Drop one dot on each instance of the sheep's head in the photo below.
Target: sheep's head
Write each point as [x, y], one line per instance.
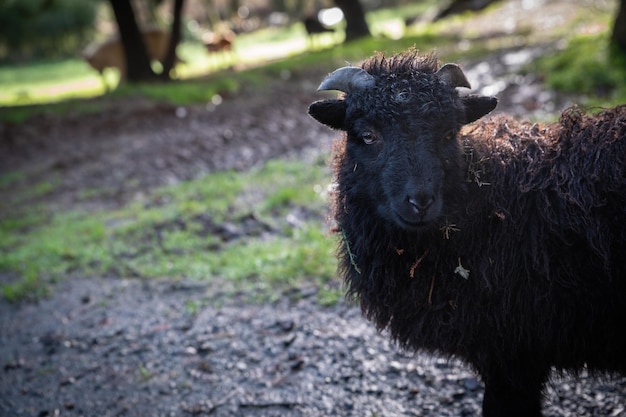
[401, 116]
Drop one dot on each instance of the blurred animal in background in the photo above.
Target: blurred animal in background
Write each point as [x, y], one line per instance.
[319, 23]
[461, 6]
[110, 53]
[219, 45]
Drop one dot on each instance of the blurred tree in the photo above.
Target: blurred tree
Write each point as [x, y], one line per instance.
[356, 26]
[44, 28]
[138, 66]
[618, 36]
[135, 54]
[170, 59]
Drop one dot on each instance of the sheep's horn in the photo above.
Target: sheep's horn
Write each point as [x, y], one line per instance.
[347, 79]
[453, 75]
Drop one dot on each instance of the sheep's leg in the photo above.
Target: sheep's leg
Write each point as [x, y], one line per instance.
[504, 400]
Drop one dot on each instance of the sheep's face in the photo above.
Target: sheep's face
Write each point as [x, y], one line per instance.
[401, 158]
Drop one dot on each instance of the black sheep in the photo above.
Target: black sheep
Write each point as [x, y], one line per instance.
[314, 27]
[500, 243]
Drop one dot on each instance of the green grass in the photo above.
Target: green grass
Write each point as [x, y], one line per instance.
[202, 89]
[588, 68]
[52, 81]
[177, 232]
[47, 80]
[22, 87]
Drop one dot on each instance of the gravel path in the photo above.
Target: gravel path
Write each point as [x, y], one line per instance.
[110, 347]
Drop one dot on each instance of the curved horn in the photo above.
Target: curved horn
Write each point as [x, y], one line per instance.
[347, 79]
[453, 75]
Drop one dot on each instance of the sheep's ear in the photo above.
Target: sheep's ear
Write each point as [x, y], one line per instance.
[478, 106]
[329, 112]
[453, 75]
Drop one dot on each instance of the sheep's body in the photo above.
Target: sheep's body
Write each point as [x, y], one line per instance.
[517, 266]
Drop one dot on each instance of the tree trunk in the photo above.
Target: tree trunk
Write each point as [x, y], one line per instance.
[136, 57]
[618, 36]
[356, 26]
[170, 58]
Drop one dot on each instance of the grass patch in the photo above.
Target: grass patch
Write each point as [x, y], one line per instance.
[62, 85]
[182, 92]
[18, 192]
[587, 67]
[272, 53]
[47, 80]
[260, 231]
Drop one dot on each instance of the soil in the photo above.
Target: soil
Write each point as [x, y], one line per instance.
[134, 145]
[106, 346]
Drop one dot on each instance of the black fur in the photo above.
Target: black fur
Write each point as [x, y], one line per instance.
[501, 243]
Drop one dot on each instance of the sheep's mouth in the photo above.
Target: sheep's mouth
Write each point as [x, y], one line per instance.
[411, 225]
[412, 220]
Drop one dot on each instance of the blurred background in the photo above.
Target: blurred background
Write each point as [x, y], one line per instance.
[56, 49]
[164, 197]
[169, 138]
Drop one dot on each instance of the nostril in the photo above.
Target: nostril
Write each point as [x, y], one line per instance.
[421, 201]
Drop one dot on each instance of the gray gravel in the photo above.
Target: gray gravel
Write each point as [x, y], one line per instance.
[111, 347]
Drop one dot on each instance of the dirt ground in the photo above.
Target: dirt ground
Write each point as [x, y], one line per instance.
[134, 145]
[105, 346]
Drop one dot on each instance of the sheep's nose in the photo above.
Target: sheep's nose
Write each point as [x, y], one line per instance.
[420, 201]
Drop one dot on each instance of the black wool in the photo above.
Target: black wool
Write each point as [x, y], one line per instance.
[500, 243]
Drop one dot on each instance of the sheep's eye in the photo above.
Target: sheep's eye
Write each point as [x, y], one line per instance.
[449, 135]
[368, 138]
